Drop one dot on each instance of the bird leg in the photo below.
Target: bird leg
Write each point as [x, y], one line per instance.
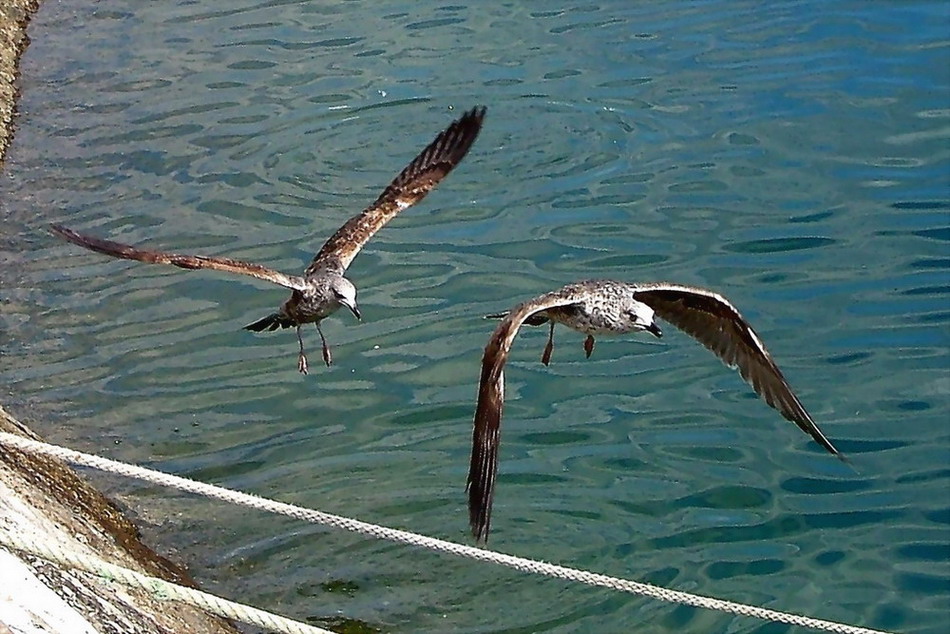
[302, 359]
[589, 345]
[549, 348]
[327, 358]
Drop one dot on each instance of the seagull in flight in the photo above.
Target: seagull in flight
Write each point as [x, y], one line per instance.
[606, 307]
[323, 287]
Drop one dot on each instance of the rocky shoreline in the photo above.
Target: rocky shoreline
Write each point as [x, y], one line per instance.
[14, 17]
[44, 498]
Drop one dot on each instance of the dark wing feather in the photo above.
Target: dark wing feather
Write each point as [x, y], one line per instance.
[409, 187]
[486, 431]
[715, 323]
[127, 252]
[533, 320]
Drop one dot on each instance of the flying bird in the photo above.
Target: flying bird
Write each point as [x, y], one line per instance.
[605, 307]
[323, 287]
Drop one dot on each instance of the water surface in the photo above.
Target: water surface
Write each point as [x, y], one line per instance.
[791, 155]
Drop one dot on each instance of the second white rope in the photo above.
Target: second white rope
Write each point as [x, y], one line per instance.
[157, 588]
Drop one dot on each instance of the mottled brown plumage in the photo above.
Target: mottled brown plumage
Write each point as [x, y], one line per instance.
[127, 252]
[605, 307]
[323, 288]
[409, 187]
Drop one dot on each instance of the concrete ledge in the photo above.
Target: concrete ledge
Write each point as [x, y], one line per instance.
[44, 497]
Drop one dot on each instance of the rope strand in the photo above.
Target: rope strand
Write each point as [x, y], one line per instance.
[158, 588]
[439, 545]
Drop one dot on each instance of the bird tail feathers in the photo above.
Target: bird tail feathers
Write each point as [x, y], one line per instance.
[271, 322]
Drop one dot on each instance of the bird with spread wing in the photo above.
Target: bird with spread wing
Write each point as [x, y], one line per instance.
[323, 288]
[605, 307]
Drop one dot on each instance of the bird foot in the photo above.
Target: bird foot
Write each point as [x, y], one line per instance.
[589, 345]
[327, 357]
[302, 364]
[548, 349]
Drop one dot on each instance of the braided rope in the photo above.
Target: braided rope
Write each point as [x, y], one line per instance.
[404, 537]
[158, 588]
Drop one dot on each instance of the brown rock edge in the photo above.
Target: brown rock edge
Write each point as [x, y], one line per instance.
[43, 497]
[14, 16]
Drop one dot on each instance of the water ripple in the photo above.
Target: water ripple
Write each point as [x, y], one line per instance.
[793, 159]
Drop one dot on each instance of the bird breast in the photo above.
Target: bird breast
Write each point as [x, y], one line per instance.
[310, 306]
[593, 318]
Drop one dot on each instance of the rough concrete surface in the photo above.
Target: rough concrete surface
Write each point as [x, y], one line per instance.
[42, 496]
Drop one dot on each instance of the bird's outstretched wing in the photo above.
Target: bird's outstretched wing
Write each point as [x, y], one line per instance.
[125, 251]
[411, 185]
[710, 319]
[491, 400]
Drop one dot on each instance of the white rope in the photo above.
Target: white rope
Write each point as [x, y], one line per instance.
[403, 537]
[158, 588]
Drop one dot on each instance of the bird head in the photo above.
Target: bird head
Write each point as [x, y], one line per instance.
[344, 292]
[642, 317]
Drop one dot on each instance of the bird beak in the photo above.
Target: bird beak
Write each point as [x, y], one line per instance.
[355, 311]
[654, 330]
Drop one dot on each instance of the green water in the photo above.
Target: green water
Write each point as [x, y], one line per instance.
[791, 155]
